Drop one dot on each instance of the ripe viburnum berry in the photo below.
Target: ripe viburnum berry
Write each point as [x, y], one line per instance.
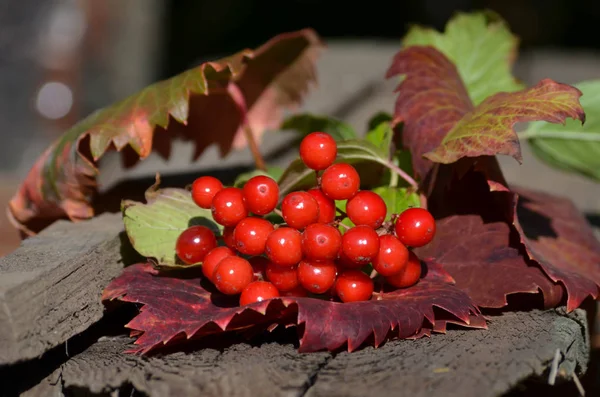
[340, 181]
[297, 292]
[316, 277]
[366, 208]
[284, 247]
[415, 227]
[326, 205]
[212, 259]
[353, 286]
[251, 234]
[318, 150]
[232, 275]
[204, 190]
[409, 276]
[299, 209]
[228, 236]
[194, 243]
[284, 278]
[360, 244]
[392, 256]
[228, 206]
[261, 194]
[321, 242]
[258, 291]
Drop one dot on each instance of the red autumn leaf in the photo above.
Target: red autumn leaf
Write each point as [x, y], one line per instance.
[211, 103]
[558, 237]
[478, 256]
[441, 123]
[176, 307]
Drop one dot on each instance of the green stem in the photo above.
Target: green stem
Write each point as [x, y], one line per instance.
[402, 173]
[573, 135]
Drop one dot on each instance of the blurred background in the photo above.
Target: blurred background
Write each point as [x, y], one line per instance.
[62, 59]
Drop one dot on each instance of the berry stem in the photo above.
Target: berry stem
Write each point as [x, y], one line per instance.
[342, 213]
[259, 161]
[402, 174]
[344, 226]
[278, 212]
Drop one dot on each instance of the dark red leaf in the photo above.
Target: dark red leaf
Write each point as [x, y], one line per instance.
[175, 308]
[432, 99]
[558, 237]
[478, 256]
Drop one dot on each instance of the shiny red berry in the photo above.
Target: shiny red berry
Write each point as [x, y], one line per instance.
[340, 181]
[415, 227]
[228, 236]
[258, 291]
[204, 190]
[299, 209]
[326, 205]
[392, 256]
[360, 244]
[284, 278]
[194, 243]
[366, 208]
[318, 150]
[212, 259]
[228, 206]
[261, 194]
[344, 262]
[408, 276]
[232, 275]
[251, 234]
[259, 267]
[353, 286]
[316, 277]
[284, 247]
[321, 242]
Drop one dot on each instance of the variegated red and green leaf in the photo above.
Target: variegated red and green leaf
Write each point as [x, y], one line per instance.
[209, 104]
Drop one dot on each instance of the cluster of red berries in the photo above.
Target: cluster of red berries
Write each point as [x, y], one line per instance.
[307, 253]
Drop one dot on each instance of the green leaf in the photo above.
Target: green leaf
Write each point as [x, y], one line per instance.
[307, 123]
[377, 119]
[482, 48]
[381, 136]
[297, 175]
[274, 172]
[571, 147]
[397, 199]
[153, 227]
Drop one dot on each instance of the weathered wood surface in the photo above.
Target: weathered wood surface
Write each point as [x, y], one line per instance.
[50, 287]
[460, 363]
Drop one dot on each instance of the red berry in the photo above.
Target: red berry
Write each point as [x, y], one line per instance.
[353, 286]
[360, 244]
[212, 259]
[258, 291]
[392, 256]
[366, 208]
[251, 234]
[321, 242]
[415, 227]
[284, 278]
[340, 181]
[346, 263]
[284, 247]
[228, 206]
[326, 205]
[297, 292]
[318, 150]
[204, 189]
[228, 236]
[299, 209]
[194, 243]
[408, 276]
[232, 275]
[316, 277]
[259, 267]
[261, 194]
